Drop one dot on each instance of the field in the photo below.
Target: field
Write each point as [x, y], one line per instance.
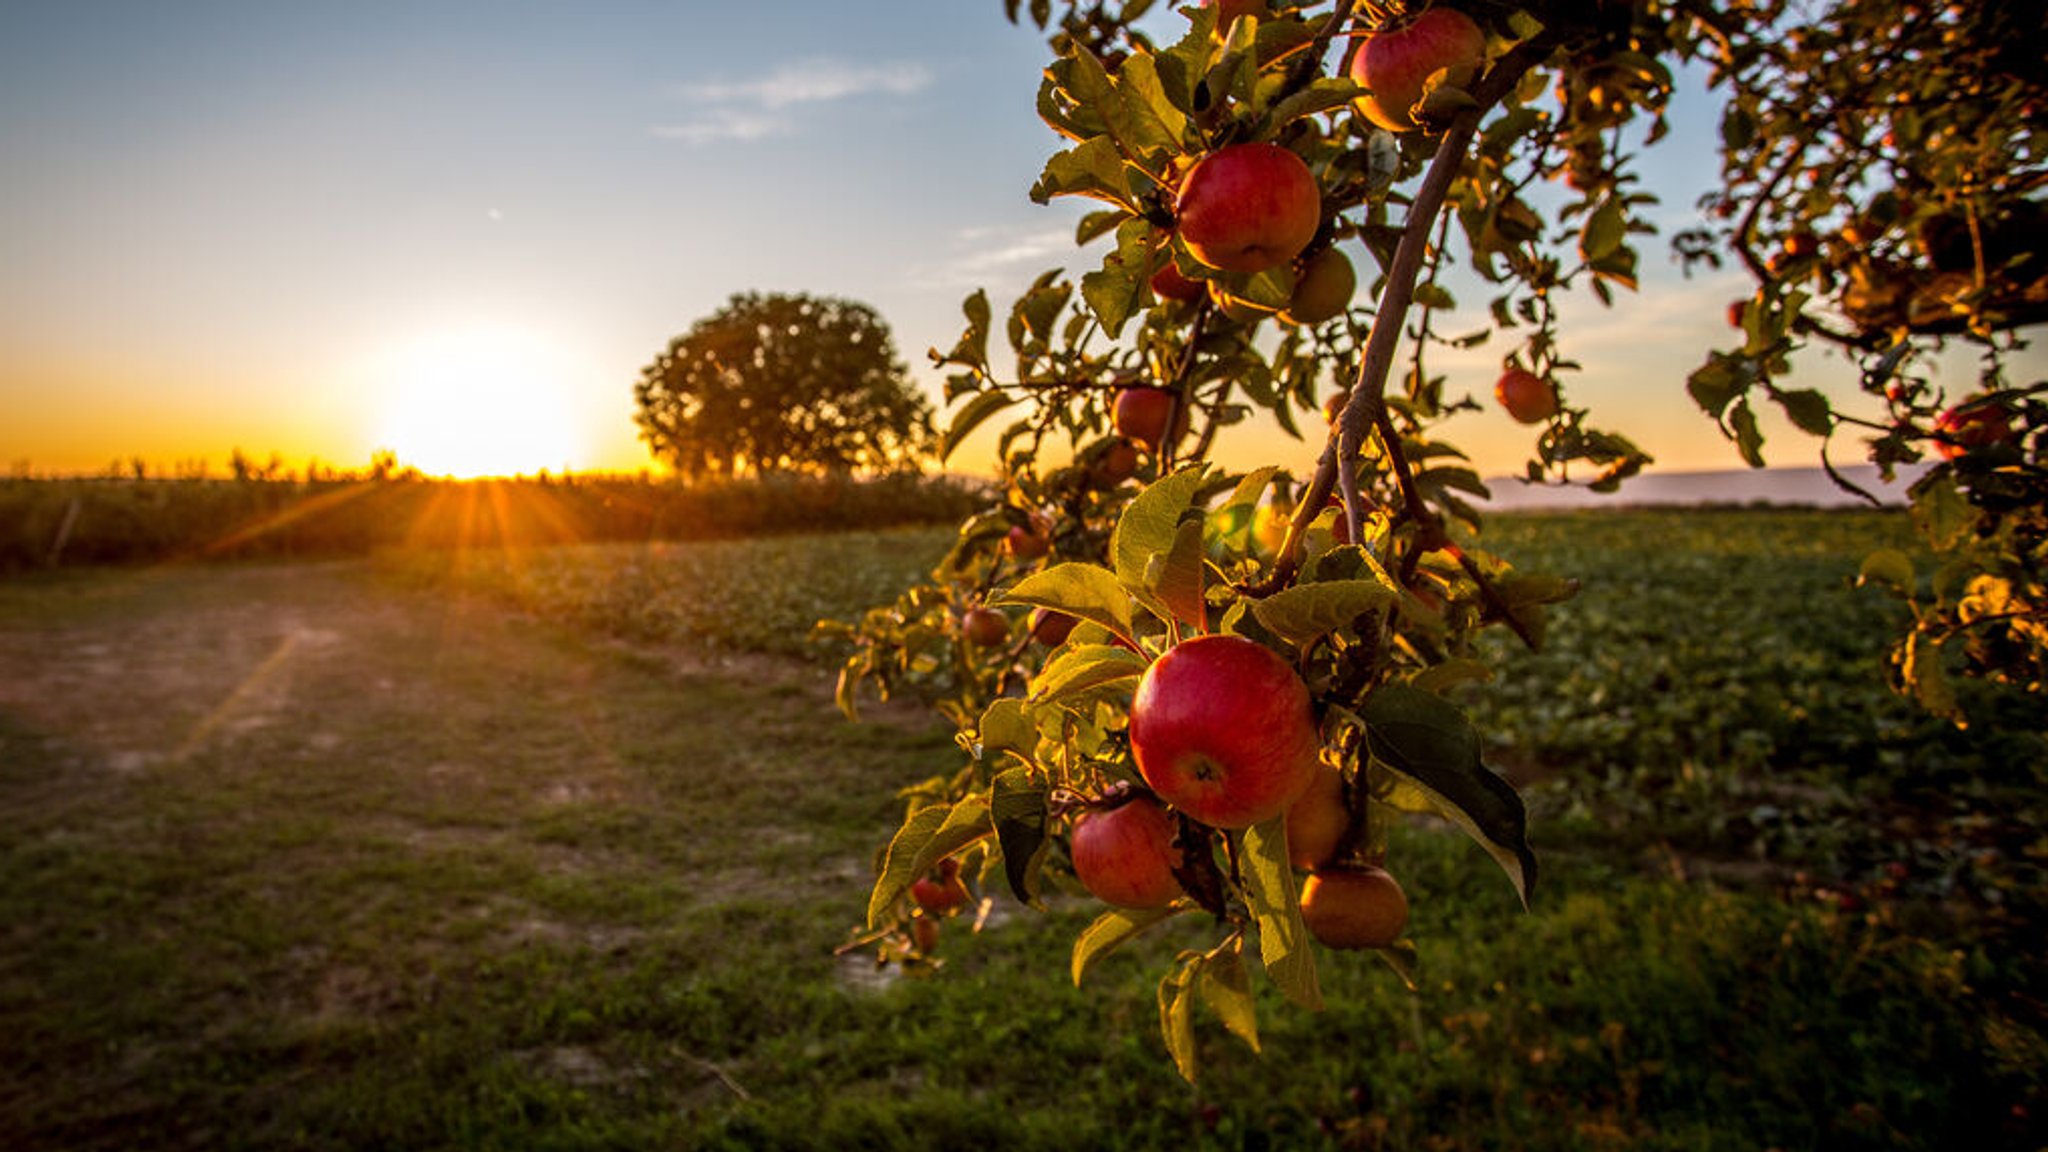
[553, 848]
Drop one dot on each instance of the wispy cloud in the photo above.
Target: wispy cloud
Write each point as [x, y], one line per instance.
[754, 109]
[976, 256]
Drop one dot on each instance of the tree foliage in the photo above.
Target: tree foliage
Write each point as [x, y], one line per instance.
[1862, 137]
[783, 383]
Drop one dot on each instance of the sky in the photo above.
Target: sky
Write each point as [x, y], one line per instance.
[457, 229]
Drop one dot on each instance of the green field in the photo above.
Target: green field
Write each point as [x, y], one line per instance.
[552, 849]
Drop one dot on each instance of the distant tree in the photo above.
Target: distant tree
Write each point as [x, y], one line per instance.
[783, 383]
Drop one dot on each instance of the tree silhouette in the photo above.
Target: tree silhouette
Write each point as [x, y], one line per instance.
[783, 383]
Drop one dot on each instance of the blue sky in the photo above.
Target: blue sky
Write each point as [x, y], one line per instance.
[273, 226]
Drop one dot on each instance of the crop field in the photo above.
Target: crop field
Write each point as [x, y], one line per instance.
[553, 848]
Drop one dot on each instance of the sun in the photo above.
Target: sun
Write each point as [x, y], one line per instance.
[481, 402]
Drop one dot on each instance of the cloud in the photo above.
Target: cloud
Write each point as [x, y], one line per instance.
[978, 255]
[755, 109]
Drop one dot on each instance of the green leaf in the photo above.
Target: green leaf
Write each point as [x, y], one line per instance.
[1177, 577]
[1084, 591]
[1941, 512]
[1092, 168]
[1749, 440]
[1151, 522]
[1275, 900]
[1320, 96]
[1006, 726]
[1809, 410]
[1306, 611]
[1115, 290]
[1110, 931]
[1604, 231]
[972, 347]
[1429, 744]
[928, 835]
[1017, 805]
[1227, 990]
[1923, 673]
[1149, 122]
[967, 419]
[1082, 668]
[1891, 568]
[1177, 1018]
[1715, 384]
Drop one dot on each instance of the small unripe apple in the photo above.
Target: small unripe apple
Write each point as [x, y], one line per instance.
[1222, 729]
[1394, 62]
[1169, 284]
[1125, 855]
[1317, 822]
[1963, 429]
[1051, 627]
[1248, 207]
[1324, 289]
[985, 627]
[1141, 414]
[1528, 398]
[1354, 908]
[1026, 542]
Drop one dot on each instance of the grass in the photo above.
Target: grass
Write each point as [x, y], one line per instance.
[297, 856]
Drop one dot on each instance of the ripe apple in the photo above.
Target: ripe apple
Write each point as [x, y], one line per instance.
[1528, 397]
[1125, 855]
[1141, 414]
[1395, 61]
[1227, 12]
[939, 894]
[1116, 464]
[1323, 290]
[1735, 310]
[1317, 822]
[985, 627]
[1248, 207]
[1353, 908]
[1026, 542]
[1169, 284]
[1222, 729]
[1963, 429]
[1051, 627]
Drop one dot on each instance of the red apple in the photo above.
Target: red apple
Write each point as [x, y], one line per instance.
[1248, 207]
[1050, 627]
[1125, 855]
[1227, 12]
[1735, 310]
[1396, 60]
[925, 931]
[1323, 290]
[1141, 414]
[985, 627]
[1964, 429]
[1528, 397]
[1352, 908]
[1026, 542]
[1116, 464]
[1169, 284]
[936, 894]
[1318, 821]
[1222, 729]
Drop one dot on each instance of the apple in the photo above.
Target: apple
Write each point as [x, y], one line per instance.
[1354, 908]
[1169, 284]
[1318, 821]
[1528, 397]
[925, 931]
[1965, 428]
[1026, 542]
[1051, 627]
[1125, 855]
[1222, 729]
[985, 627]
[1228, 11]
[1248, 207]
[1116, 464]
[1141, 414]
[1324, 289]
[940, 893]
[1735, 310]
[1395, 61]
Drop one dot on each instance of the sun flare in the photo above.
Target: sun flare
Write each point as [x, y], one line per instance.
[481, 402]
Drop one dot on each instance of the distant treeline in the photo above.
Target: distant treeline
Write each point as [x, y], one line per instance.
[52, 522]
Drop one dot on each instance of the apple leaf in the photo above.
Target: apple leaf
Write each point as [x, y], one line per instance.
[1177, 1017]
[1110, 931]
[1115, 290]
[928, 835]
[1429, 746]
[1092, 168]
[972, 348]
[1306, 611]
[1006, 727]
[1320, 96]
[1148, 123]
[1083, 591]
[1176, 577]
[1275, 899]
[970, 417]
[1016, 804]
[1227, 990]
[1604, 231]
[1808, 410]
[1891, 568]
[1083, 667]
[1151, 522]
[1749, 439]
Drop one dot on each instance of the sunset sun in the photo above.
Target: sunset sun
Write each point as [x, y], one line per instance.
[481, 402]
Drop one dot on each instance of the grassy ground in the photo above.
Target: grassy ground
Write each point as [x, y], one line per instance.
[298, 857]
